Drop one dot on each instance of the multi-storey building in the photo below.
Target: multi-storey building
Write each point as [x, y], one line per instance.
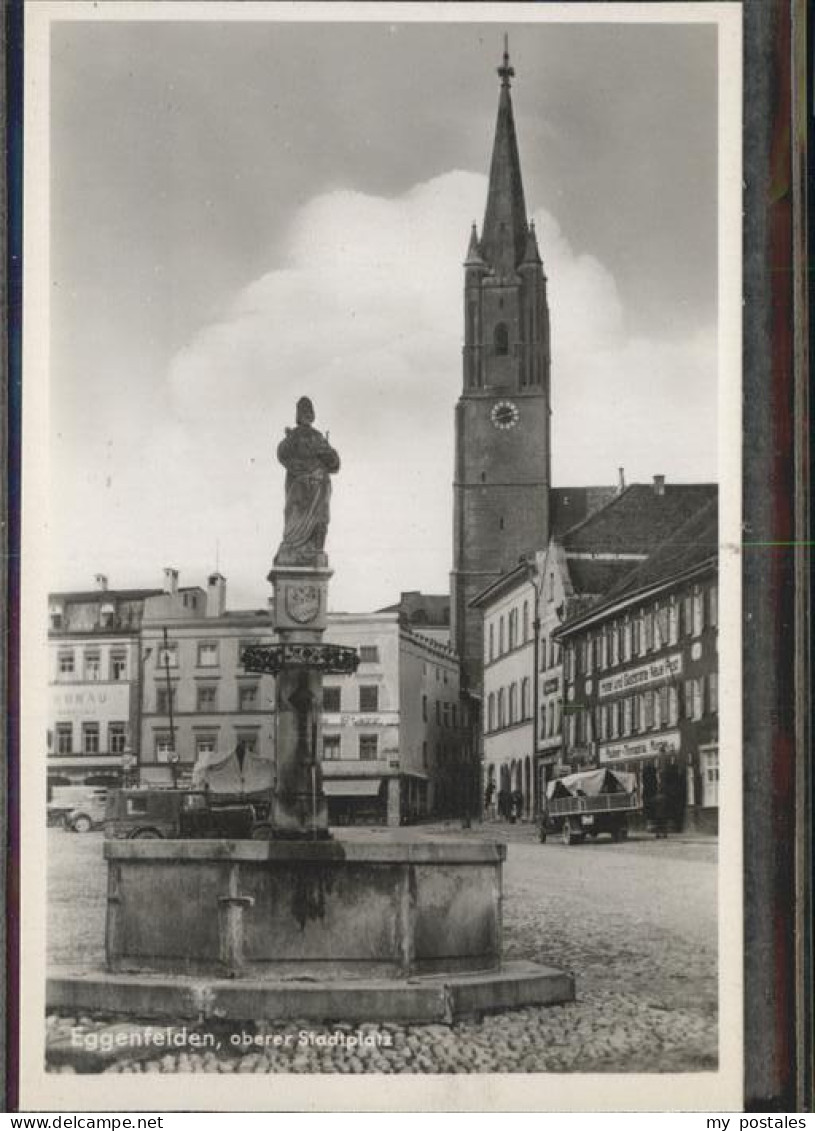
[392, 730]
[95, 679]
[198, 700]
[641, 675]
[523, 732]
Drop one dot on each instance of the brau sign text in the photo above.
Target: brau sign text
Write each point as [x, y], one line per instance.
[658, 671]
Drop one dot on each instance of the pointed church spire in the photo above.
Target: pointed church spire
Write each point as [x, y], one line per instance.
[503, 239]
[532, 253]
[474, 258]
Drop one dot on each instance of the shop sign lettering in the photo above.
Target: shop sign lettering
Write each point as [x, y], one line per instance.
[659, 671]
[649, 746]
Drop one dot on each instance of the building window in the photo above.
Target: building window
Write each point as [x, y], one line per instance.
[206, 697]
[164, 747]
[544, 646]
[501, 339]
[167, 657]
[90, 738]
[500, 636]
[438, 712]
[697, 695]
[687, 615]
[369, 654]
[636, 637]
[492, 641]
[673, 706]
[163, 700]
[491, 711]
[331, 747]
[636, 714]
[543, 721]
[662, 706]
[93, 665]
[65, 738]
[368, 747]
[673, 623]
[526, 621]
[117, 738]
[525, 697]
[331, 699]
[249, 742]
[648, 630]
[424, 708]
[713, 693]
[204, 745]
[627, 716]
[207, 655]
[558, 718]
[118, 666]
[660, 628]
[698, 611]
[710, 778]
[66, 663]
[626, 644]
[248, 697]
[106, 615]
[501, 716]
[513, 703]
[713, 605]
[648, 710]
[56, 619]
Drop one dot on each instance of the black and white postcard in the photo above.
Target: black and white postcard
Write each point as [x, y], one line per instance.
[381, 700]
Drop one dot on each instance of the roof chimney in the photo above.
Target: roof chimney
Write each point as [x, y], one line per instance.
[621, 484]
[659, 484]
[101, 582]
[170, 580]
[216, 595]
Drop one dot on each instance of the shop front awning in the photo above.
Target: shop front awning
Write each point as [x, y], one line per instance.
[352, 787]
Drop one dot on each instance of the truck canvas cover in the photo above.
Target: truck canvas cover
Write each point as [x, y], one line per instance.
[591, 783]
[223, 773]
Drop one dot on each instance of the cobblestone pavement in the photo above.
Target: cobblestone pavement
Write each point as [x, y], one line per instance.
[635, 922]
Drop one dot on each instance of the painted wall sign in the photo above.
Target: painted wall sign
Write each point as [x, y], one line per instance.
[648, 746]
[84, 702]
[659, 671]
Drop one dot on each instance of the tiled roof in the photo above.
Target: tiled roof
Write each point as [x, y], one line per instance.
[428, 609]
[570, 505]
[595, 578]
[696, 542]
[639, 518]
[106, 595]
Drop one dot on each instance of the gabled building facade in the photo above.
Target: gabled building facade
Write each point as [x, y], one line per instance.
[95, 681]
[641, 676]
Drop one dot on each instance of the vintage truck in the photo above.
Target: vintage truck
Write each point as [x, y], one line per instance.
[589, 803]
[230, 797]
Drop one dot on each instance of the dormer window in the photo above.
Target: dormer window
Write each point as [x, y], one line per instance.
[501, 339]
[106, 615]
[55, 617]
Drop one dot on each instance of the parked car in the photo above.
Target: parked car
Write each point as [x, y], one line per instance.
[589, 803]
[179, 814]
[88, 814]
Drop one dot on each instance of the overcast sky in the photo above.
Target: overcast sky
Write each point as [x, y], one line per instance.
[243, 213]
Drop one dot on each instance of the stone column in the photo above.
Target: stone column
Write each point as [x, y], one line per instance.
[299, 807]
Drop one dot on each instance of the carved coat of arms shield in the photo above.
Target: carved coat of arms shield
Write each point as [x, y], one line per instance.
[303, 602]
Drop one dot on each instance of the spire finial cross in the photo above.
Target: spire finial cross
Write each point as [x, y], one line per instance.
[506, 72]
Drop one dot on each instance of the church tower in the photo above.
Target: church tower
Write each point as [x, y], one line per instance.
[502, 470]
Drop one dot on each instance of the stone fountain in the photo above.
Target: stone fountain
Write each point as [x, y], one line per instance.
[305, 925]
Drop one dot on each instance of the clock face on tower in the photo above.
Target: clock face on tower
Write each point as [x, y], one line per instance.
[504, 415]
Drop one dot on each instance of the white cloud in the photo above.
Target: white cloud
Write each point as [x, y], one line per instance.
[365, 317]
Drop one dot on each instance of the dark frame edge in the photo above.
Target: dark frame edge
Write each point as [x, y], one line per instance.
[10, 451]
[776, 771]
